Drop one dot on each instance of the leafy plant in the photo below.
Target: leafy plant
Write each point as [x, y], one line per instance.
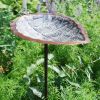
[73, 71]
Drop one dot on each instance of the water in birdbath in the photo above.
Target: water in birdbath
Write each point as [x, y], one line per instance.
[49, 27]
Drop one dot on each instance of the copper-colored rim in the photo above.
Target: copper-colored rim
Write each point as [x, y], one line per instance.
[14, 30]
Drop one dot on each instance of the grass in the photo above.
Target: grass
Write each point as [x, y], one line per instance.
[74, 72]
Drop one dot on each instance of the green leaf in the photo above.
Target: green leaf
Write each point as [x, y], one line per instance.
[2, 6]
[72, 83]
[36, 92]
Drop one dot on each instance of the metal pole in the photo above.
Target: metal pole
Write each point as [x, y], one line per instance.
[46, 71]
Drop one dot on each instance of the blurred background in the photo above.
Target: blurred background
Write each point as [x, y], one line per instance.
[74, 71]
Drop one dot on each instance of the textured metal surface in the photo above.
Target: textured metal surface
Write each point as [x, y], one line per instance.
[49, 29]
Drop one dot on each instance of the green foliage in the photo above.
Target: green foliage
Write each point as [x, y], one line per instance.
[55, 94]
[7, 40]
[25, 54]
[86, 92]
[10, 89]
[74, 72]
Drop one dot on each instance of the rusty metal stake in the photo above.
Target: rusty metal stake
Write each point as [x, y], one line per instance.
[46, 71]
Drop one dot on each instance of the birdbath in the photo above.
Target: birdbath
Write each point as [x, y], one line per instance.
[49, 29]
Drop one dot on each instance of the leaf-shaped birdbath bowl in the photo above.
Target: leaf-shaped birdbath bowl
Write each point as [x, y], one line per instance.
[49, 29]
